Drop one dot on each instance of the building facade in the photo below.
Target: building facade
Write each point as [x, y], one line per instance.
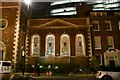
[105, 33]
[82, 41]
[69, 7]
[9, 31]
[61, 38]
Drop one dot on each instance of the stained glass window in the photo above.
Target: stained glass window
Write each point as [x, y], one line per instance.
[35, 45]
[65, 45]
[79, 45]
[50, 45]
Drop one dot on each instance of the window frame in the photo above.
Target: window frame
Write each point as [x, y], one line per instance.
[83, 45]
[109, 25]
[96, 22]
[110, 37]
[119, 25]
[100, 58]
[61, 50]
[100, 46]
[32, 44]
[46, 46]
[5, 25]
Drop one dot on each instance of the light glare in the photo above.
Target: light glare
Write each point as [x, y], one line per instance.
[27, 1]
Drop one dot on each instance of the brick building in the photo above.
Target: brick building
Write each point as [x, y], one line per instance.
[9, 31]
[105, 33]
[81, 41]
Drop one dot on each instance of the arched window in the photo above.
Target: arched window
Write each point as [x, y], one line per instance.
[35, 45]
[79, 45]
[50, 45]
[64, 45]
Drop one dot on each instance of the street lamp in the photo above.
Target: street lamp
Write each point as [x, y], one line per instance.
[27, 1]
[25, 32]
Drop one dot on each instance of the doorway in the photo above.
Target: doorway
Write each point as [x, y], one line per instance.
[112, 62]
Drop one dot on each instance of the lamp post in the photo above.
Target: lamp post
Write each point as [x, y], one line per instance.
[25, 33]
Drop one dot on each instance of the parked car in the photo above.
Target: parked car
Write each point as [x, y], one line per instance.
[5, 67]
[108, 73]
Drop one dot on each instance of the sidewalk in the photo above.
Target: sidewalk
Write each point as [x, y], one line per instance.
[43, 75]
[19, 76]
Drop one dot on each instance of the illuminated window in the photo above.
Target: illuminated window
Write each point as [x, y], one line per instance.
[98, 9]
[59, 2]
[35, 45]
[112, 5]
[50, 45]
[95, 25]
[97, 42]
[119, 24]
[93, 14]
[65, 1]
[64, 45]
[110, 42]
[108, 25]
[65, 13]
[79, 46]
[63, 9]
[98, 5]
[99, 59]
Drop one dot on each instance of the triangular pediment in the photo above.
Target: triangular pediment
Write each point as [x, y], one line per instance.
[57, 23]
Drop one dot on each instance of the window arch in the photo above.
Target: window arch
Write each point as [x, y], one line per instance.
[64, 45]
[4, 23]
[50, 45]
[35, 45]
[79, 45]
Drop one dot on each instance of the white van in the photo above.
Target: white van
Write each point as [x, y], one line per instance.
[109, 74]
[5, 67]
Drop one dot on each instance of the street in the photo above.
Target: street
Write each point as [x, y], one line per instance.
[44, 77]
[67, 78]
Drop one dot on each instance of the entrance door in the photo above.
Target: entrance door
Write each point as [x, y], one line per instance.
[112, 63]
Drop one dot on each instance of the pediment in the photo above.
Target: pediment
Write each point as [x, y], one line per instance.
[111, 51]
[57, 23]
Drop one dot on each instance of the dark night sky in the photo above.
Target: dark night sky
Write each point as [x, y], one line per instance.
[39, 8]
[39, 5]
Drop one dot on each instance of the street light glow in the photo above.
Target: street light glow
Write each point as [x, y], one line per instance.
[27, 1]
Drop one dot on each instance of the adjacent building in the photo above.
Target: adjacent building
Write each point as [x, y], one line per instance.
[105, 35]
[69, 7]
[9, 31]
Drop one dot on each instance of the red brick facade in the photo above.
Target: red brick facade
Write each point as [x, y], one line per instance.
[10, 12]
[71, 26]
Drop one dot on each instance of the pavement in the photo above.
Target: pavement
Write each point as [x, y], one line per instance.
[43, 75]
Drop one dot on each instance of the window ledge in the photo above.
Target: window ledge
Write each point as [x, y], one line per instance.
[108, 30]
[97, 48]
[34, 55]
